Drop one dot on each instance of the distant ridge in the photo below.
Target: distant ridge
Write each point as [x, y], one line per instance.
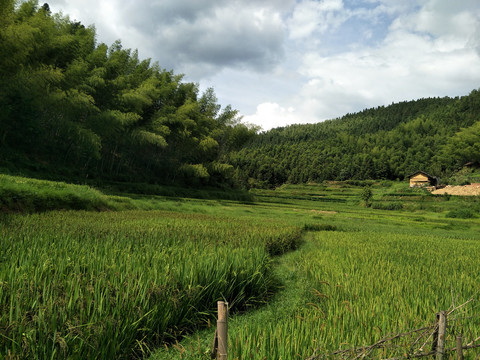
[386, 142]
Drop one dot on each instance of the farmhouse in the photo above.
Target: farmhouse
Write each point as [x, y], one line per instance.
[421, 179]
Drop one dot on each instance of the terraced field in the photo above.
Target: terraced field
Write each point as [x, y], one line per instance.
[306, 269]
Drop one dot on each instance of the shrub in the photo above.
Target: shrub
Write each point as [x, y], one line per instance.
[388, 206]
[319, 227]
[366, 195]
[464, 213]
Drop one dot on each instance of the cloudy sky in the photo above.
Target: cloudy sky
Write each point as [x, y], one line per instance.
[281, 62]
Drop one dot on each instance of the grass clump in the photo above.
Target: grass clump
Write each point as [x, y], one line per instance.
[463, 213]
[19, 194]
[387, 206]
[319, 227]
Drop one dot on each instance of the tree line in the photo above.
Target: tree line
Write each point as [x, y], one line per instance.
[436, 135]
[75, 108]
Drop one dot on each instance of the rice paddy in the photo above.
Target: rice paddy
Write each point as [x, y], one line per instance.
[109, 285]
[306, 270]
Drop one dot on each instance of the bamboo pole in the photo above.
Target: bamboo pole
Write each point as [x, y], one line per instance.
[222, 333]
[459, 347]
[442, 327]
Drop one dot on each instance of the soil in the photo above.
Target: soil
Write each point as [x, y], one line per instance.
[466, 190]
[323, 211]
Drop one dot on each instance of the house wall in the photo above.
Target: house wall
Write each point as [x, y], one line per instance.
[419, 180]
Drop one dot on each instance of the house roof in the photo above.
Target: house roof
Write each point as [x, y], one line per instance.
[423, 173]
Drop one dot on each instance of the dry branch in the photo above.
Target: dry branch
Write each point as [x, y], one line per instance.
[416, 356]
[361, 350]
[427, 331]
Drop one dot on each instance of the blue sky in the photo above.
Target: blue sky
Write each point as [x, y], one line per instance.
[281, 62]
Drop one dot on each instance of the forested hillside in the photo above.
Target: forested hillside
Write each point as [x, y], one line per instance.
[75, 109]
[72, 108]
[436, 135]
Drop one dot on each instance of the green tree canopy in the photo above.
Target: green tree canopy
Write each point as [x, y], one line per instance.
[71, 106]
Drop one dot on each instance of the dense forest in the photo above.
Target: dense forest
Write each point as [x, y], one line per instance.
[436, 135]
[72, 108]
[75, 109]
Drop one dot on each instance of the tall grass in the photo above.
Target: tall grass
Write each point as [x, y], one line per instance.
[360, 287]
[95, 285]
[29, 195]
[88, 285]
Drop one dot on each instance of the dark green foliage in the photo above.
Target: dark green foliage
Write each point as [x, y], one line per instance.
[436, 135]
[283, 243]
[82, 110]
[387, 206]
[463, 213]
[319, 227]
[366, 195]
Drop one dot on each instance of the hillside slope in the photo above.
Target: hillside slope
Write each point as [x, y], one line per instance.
[436, 135]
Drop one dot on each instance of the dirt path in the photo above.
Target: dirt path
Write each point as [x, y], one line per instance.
[466, 190]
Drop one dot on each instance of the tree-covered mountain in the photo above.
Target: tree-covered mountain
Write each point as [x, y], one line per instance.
[75, 108]
[437, 135]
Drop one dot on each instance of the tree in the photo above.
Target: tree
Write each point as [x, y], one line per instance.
[366, 195]
[68, 103]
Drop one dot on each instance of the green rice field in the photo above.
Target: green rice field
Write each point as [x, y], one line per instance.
[307, 270]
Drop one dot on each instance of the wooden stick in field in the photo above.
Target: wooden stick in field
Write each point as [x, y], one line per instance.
[442, 325]
[222, 334]
[459, 348]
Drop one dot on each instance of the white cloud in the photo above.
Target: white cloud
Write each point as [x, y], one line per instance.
[200, 36]
[311, 17]
[404, 68]
[269, 115]
[417, 58]
[287, 61]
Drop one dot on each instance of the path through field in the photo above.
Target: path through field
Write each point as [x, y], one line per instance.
[289, 298]
[349, 288]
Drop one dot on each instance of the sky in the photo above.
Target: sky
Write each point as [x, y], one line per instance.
[282, 62]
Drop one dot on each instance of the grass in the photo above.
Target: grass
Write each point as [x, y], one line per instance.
[21, 194]
[360, 275]
[331, 300]
[119, 284]
[27, 195]
[112, 285]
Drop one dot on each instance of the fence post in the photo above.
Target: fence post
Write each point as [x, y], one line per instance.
[459, 347]
[442, 326]
[222, 333]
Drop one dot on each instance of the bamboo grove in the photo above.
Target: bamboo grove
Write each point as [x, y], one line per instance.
[74, 108]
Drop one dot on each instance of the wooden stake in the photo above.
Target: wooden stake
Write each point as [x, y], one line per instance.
[442, 327]
[459, 347]
[222, 331]
[435, 336]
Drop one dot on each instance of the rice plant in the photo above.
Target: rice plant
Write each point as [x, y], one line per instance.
[89, 285]
[360, 287]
